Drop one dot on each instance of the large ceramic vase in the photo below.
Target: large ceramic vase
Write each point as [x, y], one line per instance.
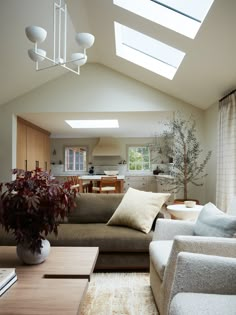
[29, 258]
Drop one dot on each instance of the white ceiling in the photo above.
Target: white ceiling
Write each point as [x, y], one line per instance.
[207, 72]
[140, 124]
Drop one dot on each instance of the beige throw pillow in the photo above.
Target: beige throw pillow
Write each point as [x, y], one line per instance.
[138, 209]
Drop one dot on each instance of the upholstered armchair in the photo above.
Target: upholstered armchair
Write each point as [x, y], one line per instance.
[171, 238]
[204, 284]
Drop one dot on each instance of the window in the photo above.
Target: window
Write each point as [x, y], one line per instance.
[75, 158]
[184, 17]
[139, 158]
[147, 52]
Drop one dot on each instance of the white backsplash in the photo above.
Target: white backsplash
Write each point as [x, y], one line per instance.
[99, 169]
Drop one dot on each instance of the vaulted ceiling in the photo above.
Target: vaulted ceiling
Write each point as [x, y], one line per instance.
[207, 72]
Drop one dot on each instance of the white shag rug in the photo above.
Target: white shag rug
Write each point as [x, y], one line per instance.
[119, 294]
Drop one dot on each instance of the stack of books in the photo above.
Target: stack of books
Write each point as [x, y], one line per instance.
[7, 278]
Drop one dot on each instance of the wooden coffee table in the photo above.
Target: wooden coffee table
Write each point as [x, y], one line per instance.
[57, 286]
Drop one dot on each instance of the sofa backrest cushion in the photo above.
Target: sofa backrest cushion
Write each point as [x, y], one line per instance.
[214, 222]
[94, 208]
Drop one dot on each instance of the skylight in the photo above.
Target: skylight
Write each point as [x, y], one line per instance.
[182, 16]
[108, 123]
[147, 52]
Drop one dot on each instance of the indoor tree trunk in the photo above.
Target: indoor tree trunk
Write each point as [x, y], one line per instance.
[185, 172]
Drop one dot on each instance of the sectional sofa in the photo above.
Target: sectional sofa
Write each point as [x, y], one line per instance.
[120, 247]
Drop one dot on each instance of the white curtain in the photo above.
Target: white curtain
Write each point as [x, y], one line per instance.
[226, 158]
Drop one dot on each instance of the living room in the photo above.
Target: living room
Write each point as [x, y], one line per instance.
[109, 84]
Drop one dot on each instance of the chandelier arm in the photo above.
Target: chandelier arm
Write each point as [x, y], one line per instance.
[65, 32]
[56, 65]
[59, 63]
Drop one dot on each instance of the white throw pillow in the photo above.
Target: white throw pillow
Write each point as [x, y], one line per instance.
[214, 222]
[138, 209]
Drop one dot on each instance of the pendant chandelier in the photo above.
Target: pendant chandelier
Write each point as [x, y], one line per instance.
[37, 35]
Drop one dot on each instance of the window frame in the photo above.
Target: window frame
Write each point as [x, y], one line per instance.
[85, 159]
[139, 146]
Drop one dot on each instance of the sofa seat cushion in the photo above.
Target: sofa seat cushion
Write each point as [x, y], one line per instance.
[107, 238]
[159, 254]
[200, 303]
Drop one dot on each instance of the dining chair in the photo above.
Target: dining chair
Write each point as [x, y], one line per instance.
[75, 183]
[107, 184]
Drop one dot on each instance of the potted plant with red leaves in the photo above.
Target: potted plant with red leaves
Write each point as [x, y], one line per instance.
[31, 207]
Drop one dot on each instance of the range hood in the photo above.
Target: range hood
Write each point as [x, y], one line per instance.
[107, 146]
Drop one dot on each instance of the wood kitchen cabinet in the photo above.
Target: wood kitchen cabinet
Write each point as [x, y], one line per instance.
[33, 146]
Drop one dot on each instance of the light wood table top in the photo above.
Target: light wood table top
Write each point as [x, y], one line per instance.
[56, 286]
[73, 262]
[31, 296]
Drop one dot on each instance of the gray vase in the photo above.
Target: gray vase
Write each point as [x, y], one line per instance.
[29, 258]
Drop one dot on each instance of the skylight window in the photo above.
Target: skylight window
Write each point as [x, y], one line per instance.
[147, 52]
[108, 123]
[182, 16]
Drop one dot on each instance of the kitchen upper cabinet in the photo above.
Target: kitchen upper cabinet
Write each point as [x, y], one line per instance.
[21, 161]
[33, 146]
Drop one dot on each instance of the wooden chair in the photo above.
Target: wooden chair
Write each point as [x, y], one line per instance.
[74, 181]
[75, 184]
[107, 184]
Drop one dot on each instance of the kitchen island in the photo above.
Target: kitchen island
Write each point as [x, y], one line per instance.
[96, 178]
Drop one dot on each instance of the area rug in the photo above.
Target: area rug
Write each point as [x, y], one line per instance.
[119, 294]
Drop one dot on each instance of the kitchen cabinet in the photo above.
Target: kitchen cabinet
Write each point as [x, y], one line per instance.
[165, 185]
[144, 183]
[33, 146]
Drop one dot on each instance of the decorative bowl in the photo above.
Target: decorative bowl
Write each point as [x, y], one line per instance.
[190, 203]
[111, 173]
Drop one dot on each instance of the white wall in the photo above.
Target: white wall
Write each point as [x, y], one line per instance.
[59, 143]
[97, 89]
[211, 131]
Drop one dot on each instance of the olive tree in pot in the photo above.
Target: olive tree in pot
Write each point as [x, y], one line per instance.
[181, 144]
[30, 208]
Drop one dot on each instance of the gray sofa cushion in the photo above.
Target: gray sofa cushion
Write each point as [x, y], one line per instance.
[214, 222]
[204, 304]
[94, 208]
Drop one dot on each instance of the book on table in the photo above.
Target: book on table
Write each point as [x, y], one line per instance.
[7, 278]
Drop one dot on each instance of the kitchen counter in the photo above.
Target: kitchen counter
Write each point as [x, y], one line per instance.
[164, 176]
[98, 177]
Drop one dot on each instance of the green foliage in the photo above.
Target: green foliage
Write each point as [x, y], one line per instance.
[139, 158]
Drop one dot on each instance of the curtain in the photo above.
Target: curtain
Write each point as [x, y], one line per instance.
[226, 155]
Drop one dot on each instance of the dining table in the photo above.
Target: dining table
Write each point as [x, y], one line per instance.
[95, 179]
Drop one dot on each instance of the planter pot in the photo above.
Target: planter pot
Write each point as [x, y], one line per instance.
[26, 256]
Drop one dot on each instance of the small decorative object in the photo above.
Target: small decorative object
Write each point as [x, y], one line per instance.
[33, 258]
[111, 173]
[31, 207]
[91, 170]
[190, 203]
